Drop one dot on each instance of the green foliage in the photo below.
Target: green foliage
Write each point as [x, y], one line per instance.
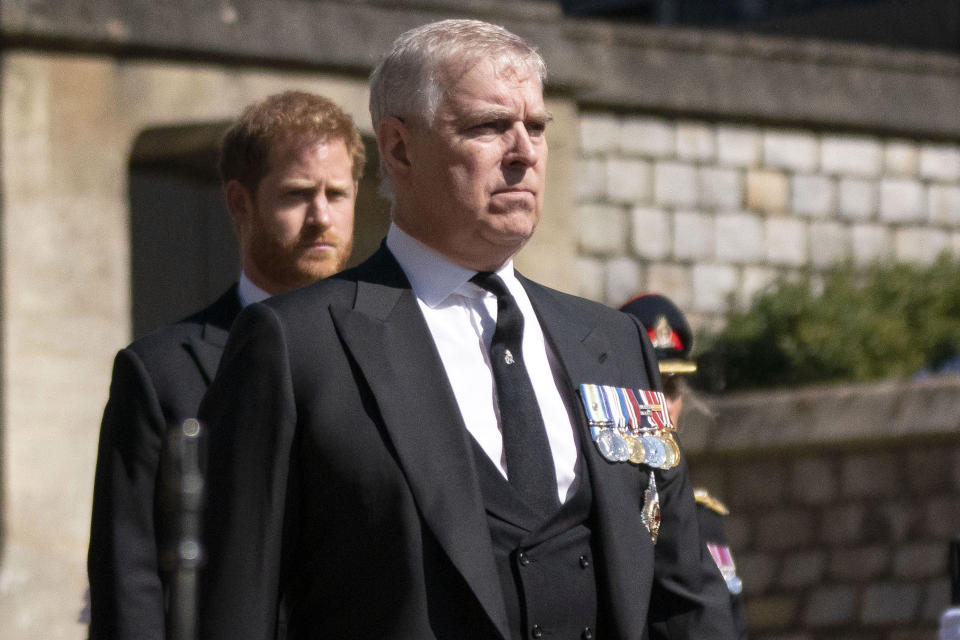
[847, 324]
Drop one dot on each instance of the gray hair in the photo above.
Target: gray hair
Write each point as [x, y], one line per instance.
[411, 81]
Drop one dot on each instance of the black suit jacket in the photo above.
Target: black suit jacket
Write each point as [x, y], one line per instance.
[343, 499]
[158, 382]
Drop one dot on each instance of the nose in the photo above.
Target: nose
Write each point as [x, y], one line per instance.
[523, 150]
[318, 213]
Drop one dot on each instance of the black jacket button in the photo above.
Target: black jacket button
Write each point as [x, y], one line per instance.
[584, 562]
[536, 632]
[523, 559]
[587, 634]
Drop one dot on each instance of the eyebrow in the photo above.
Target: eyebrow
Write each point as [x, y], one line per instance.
[495, 113]
[302, 183]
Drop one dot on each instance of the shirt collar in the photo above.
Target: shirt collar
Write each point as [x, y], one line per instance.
[432, 276]
[249, 292]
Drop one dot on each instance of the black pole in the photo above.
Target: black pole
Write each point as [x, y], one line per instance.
[954, 569]
[186, 552]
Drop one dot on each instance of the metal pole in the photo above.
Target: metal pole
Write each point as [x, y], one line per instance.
[186, 552]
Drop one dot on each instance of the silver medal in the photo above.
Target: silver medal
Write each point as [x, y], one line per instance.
[606, 444]
[656, 452]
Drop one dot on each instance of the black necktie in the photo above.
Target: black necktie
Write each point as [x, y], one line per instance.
[526, 449]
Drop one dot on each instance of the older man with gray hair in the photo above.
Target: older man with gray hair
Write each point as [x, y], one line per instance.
[425, 446]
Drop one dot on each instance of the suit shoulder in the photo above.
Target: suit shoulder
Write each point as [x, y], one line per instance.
[582, 306]
[159, 345]
[168, 341]
[302, 304]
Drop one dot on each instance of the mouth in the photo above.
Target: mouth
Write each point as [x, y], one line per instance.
[318, 245]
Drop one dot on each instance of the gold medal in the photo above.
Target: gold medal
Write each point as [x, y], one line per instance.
[637, 453]
[672, 450]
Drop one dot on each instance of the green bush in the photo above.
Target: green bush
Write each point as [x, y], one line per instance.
[848, 324]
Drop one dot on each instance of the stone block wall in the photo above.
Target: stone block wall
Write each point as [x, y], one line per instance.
[703, 210]
[843, 501]
[842, 544]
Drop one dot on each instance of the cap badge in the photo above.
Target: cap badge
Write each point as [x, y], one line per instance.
[663, 336]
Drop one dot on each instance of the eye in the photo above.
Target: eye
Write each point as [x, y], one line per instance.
[492, 126]
[536, 129]
[300, 194]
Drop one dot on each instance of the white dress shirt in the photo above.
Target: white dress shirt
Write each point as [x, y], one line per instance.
[462, 317]
[249, 292]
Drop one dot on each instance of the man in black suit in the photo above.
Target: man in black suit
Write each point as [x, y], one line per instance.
[289, 166]
[401, 451]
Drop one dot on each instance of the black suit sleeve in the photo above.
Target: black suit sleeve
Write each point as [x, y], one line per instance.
[126, 598]
[250, 418]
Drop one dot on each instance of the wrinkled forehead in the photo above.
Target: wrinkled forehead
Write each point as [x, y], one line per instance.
[512, 72]
[504, 64]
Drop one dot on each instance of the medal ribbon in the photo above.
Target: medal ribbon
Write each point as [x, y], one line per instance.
[655, 403]
[593, 405]
[629, 409]
[614, 410]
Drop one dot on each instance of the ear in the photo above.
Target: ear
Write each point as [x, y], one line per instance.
[239, 204]
[392, 140]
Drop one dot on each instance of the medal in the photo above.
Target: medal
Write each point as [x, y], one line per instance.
[612, 446]
[630, 425]
[672, 451]
[637, 453]
[621, 447]
[656, 454]
[724, 559]
[650, 514]
[605, 444]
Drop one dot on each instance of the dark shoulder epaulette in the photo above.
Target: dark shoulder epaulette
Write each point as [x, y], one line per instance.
[702, 496]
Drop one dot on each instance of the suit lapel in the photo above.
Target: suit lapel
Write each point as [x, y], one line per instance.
[386, 334]
[206, 347]
[617, 488]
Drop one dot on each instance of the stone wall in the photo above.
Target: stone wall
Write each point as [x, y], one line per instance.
[839, 526]
[700, 210]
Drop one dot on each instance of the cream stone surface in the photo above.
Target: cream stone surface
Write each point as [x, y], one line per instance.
[695, 141]
[673, 280]
[653, 137]
[623, 278]
[767, 191]
[812, 195]
[650, 233]
[857, 198]
[693, 235]
[675, 184]
[901, 157]
[871, 243]
[628, 180]
[793, 150]
[738, 146]
[591, 278]
[600, 132]
[603, 229]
